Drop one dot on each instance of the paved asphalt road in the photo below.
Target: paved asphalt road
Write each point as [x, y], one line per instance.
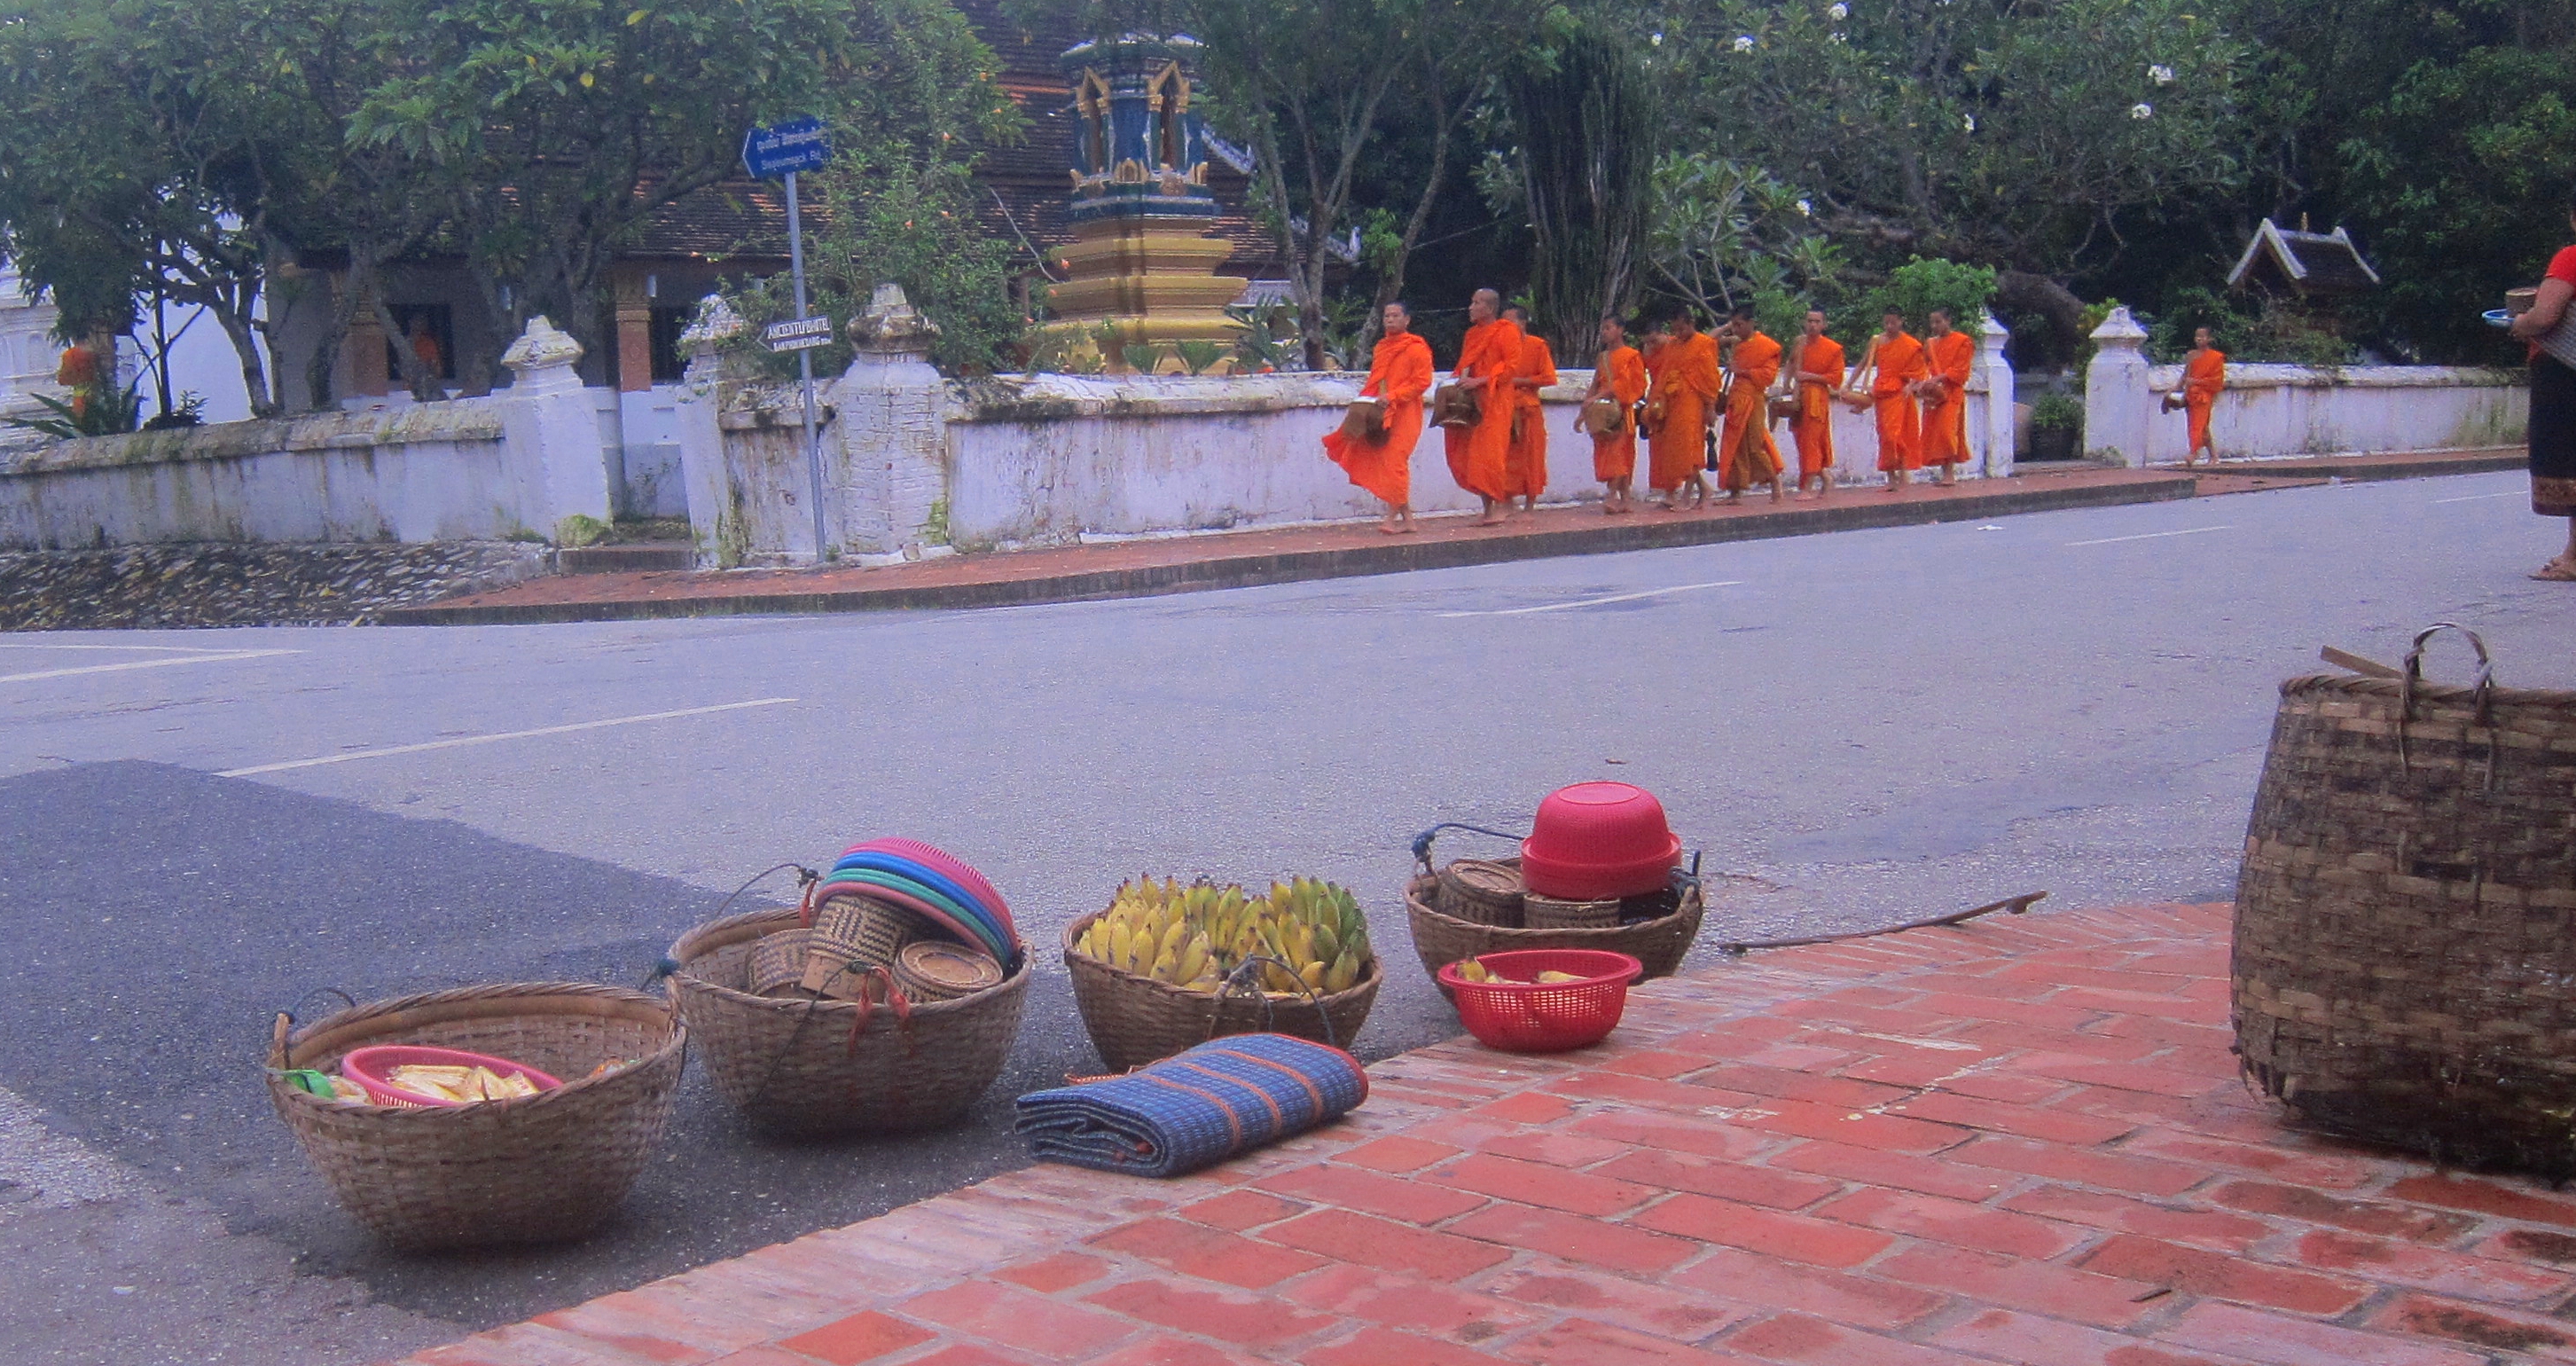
[1859, 729]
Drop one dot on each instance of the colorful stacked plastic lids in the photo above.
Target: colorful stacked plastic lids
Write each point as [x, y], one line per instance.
[937, 885]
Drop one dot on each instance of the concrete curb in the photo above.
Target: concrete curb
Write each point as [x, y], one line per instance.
[1394, 557]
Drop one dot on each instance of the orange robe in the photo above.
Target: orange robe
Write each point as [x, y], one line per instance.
[2203, 376]
[1813, 424]
[1900, 423]
[1480, 456]
[1525, 472]
[1945, 419]
[1400, 373]
[1686, 375]
[1615, 457]
[1747, 456]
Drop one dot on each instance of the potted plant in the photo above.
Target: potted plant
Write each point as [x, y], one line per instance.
[2056, 427]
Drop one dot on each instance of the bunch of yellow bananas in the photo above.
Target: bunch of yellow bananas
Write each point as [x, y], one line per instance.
[1195, 935]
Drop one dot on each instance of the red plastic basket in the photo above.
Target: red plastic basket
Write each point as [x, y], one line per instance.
[1523, 1015]
[369, 1067]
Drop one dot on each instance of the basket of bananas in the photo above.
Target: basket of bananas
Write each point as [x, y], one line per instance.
[1171, 964]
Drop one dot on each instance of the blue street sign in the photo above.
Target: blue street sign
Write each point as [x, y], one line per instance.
[785, 148]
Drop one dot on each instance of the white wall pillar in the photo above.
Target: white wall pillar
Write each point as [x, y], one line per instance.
[887, 480]
[2119, 405]
[551, 426]
[1991, 337]
[714, 526]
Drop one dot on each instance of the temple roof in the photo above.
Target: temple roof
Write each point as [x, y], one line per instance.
[2305, 262]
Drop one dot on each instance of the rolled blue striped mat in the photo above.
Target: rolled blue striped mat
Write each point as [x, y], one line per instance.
[1195, 1108]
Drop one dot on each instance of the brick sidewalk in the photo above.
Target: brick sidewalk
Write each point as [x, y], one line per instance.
[2016, 1141]
[1289, 554]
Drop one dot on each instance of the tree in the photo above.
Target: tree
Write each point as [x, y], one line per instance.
[1724, 233]
[1586, 137]
[2018, 135]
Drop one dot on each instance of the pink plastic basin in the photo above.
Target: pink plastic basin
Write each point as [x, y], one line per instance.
[1599, 842]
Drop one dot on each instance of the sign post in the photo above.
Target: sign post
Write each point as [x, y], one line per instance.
[784, 149]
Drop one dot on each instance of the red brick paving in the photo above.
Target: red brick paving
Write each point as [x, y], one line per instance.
[1805, 1159]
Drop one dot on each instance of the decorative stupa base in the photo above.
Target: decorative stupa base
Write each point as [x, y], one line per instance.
[1152, 282]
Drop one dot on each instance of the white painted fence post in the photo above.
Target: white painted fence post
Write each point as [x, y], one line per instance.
[2118, 406]
[552, 430]
[1991, 337]
[886, 456]
[714, 526]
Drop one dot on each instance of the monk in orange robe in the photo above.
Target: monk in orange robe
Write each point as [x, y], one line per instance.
[1619, 374]
[1947, 355]
[1894, 362]
[1685, 376]
[2204, 377]
[1399, 374]
[1525, 473]
[1480, 455]
[1816, 371]
[1746, 455]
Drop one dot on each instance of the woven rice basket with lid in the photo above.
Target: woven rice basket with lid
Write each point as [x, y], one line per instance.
[2405, 949]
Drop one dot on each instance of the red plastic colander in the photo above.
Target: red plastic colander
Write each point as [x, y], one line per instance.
[1519, 1014]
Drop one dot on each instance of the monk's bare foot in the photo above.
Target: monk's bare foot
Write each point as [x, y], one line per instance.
[1391, 529]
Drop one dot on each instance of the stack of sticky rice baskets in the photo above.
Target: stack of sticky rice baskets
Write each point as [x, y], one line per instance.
[1599, 871]
[887, 1002]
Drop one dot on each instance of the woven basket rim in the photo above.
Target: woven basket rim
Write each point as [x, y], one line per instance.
[636, 1003]
[1419, 905]
[1370, 976]
[2426, 690]
[724, 933]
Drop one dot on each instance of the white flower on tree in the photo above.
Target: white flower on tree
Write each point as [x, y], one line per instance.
[2142, 110]
[1744, 42]
[1968, 121]
[1838, 12]
[2160, 74]
[1806, 208]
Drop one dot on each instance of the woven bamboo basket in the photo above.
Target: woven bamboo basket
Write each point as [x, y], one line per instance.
[855, 932]
[1485, 891]
[1549, 913]
[1453, 406]
[1136, 1020]
[2405, 947]
[1658, 944]
[545, 1169]
[778, 961]
[814, 1067]
[929, 970]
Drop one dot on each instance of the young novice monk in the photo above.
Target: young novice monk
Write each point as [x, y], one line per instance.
[1893, 362]
[1947, 356]
[1747, 457]
[1816, 371]
[1399, 373]
[2204, 377]
[1620, 375]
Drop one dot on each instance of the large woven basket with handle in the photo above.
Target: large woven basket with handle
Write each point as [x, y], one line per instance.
[1442, 937]
[2405, 948]
[543, 1169]
[820, 1066]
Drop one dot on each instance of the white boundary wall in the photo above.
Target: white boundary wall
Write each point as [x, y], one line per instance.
[513, 465]
[2275, 411]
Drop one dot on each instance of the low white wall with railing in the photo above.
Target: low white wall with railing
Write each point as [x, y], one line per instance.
[2274, 411]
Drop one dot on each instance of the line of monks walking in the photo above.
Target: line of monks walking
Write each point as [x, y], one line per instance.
[1705, 404]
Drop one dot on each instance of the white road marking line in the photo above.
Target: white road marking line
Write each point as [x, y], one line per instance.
[1596, 602]
[43, 645]
[2148, 536]
[463, 740]
[224, 657]
[2474, 497]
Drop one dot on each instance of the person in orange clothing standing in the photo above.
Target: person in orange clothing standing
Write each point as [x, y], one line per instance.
[1947, 356]
[1893, 363]
[80, 372]
[1525, 473]
[1399, 375]
[1816, 371]
[1685, 382]
[1618, 374]
[2204, 378]
[1480, 453]
[1746, 455]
